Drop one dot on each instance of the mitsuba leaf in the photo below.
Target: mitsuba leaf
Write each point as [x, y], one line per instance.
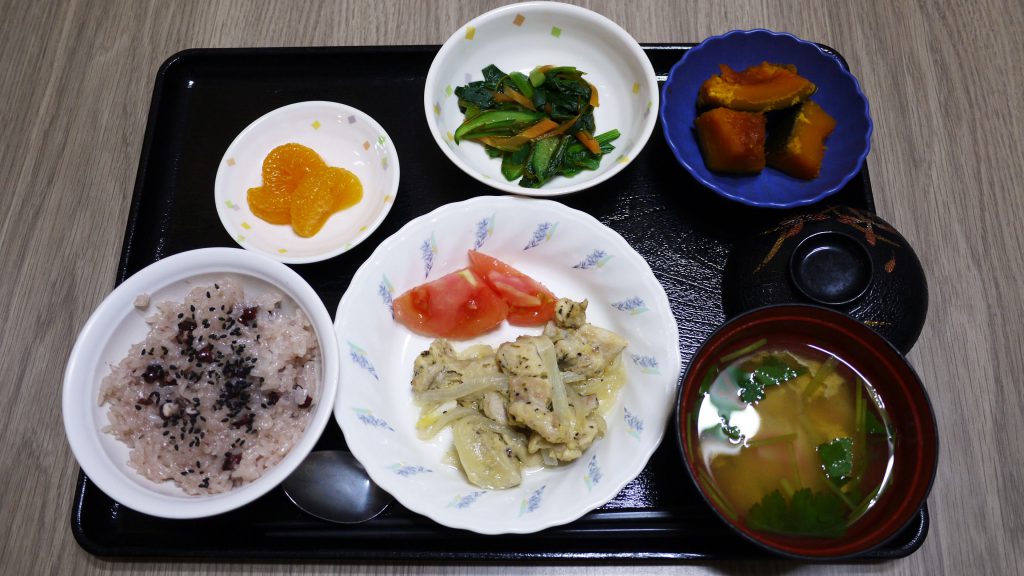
[806, 513]
[837, 459]
[731, 432]
[872, 425]
[768, 370]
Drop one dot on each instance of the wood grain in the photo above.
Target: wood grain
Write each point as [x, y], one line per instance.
[945, 83]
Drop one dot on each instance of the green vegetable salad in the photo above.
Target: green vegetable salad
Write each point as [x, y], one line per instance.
[541, 125]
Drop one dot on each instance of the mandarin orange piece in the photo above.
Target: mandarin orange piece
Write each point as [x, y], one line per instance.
[314, 201]
[268, 206]
[347, 189]
[287, 166]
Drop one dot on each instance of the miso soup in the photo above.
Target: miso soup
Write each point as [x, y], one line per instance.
[793, 439]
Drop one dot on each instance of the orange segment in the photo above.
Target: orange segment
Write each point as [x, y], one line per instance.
[314, 202]
[346, 188]
[268, 206]
[301, 190]
[287, 165]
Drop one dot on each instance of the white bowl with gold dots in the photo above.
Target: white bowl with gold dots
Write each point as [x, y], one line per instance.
[519, 37]
[344, 137]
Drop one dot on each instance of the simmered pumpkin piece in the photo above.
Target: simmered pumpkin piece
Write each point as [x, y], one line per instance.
[797, 145]
[732, 141]
[760, 88]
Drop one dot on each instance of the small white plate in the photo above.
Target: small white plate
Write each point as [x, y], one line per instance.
[344, 137]
[572, 254]
[117, 324]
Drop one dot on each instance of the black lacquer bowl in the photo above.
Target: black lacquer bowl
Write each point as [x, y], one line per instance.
[841, 257]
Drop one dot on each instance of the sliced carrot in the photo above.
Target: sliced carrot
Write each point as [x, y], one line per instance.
[588, 141]
[539, 129]
[563, 127]
[593, 96]
[519, 98]
[513, 143]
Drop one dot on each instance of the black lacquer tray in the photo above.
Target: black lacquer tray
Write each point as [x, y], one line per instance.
[203, 98]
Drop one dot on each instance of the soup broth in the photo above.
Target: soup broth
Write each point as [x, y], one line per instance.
[793, 439]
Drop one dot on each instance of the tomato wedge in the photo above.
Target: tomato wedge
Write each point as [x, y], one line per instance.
[529, 302]
[458, 306]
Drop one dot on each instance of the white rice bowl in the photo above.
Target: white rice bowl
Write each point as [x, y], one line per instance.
[102, 362]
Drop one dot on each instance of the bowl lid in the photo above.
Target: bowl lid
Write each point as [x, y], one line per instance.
[841, 257]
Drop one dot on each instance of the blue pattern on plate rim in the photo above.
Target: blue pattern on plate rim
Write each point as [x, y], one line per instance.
[635, 423]
[531, 503]
[543, 233]
[646, 364]
[593, 475]
[358, 356]
[405, 470]
[597, 258]
[366, 417]
[484, 230]
[634, 305]
[462, 502]
[427, 251]
[387, 294]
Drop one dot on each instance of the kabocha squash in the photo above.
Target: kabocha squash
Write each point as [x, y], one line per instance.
[797, 143]
[732, 141]
[760, 88]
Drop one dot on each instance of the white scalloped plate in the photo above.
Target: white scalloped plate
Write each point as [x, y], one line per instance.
[572, 254]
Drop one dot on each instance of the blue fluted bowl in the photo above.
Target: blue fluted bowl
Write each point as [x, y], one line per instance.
[838, 93]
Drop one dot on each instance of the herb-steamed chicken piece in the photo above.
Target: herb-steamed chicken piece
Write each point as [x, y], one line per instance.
[520, 405]
[581, 348]
[451, 385]
[562, 423]
[537, 396]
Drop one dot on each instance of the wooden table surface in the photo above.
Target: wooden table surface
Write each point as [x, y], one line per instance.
[945, 81]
